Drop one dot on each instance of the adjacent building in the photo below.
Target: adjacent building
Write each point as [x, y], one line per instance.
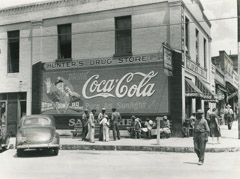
[226, 80]
[146, 58]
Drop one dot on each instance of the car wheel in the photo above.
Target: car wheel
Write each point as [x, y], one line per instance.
[19, 152]
[55, 151]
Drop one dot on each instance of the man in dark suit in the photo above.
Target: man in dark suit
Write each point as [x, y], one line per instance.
[115, 119]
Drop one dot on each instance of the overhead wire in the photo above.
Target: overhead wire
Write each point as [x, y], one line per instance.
[133, 28]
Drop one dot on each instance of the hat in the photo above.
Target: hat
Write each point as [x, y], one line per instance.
[59, 80]
[85, 109]
[133, 117]
[164, 117]
[199, 111]
[103, 109]
[150, 122]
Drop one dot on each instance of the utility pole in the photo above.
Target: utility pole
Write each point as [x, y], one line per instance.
[238, 21]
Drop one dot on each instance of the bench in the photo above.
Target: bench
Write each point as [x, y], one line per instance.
[162, 134]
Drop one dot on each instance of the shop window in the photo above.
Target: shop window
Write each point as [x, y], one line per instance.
[205, 52]
[22, 96]
[123, 36]
[197, 46]
[187, 35]
[65, 41]
[3, 96]
[13, 51]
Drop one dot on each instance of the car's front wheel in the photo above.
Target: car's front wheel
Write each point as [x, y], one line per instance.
[55, 151]
[19, 152]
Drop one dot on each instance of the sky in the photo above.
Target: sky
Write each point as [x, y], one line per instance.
[223, 31]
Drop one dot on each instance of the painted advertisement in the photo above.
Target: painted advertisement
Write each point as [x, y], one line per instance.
[132, 89]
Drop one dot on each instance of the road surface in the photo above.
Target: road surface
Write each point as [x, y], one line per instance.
[116, 164]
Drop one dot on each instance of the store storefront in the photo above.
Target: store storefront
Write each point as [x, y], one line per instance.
[12, 108]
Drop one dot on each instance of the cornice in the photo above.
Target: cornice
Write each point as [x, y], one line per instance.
[39, 6]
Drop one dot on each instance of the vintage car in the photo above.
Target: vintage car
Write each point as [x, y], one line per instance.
[37, 132]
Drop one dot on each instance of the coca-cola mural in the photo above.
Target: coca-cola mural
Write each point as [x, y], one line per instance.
[131, 89]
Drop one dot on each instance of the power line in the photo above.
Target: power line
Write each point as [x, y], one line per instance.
[111, 30]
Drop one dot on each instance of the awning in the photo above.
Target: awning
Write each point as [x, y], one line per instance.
[223, 89]
[233, 95]
[207, 94]
[191, 89]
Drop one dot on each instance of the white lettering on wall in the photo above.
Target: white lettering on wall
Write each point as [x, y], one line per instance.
[120, 88]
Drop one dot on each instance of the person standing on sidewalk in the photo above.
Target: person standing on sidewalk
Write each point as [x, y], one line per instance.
[105, 126]
[229, 116]
[85, 117]
[214, 126]
[100, 117]
[200, 136]
[115, 119]
[91, 126]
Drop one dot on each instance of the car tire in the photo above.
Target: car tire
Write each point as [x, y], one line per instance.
[55, 151]
[19, 152]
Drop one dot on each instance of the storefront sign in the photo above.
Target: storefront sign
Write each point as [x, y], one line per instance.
[195, 68]
[131, 89]
[167, 60]
[138, 59]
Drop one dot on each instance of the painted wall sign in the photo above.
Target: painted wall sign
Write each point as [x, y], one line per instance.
[196, 68]
[137, 59]
[131, 89]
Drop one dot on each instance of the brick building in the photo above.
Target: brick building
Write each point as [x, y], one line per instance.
[59, 57]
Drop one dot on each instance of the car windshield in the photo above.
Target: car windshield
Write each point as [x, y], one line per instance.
[36, 121]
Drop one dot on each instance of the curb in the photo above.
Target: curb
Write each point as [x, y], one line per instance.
[146, 148]
[141, 148]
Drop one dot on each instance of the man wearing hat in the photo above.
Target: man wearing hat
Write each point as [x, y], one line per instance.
[115, 119]
[200, 135]
[100, 117]
[85, 117]
[229, 116]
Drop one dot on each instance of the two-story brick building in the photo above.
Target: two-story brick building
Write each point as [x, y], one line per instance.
[59, 57]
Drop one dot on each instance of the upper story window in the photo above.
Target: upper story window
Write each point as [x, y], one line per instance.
[187, 35]
[13, 51]
[197, 46]
[205, 52]
[123, 35]
[64, 41]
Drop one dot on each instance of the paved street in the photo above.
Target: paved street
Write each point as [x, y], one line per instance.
[115, 164]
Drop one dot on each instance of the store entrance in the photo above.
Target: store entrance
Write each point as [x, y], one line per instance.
[13, 107]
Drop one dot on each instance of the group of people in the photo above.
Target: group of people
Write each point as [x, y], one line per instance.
[202, 128]
[213, 121]
[106, 123]
[137, 128]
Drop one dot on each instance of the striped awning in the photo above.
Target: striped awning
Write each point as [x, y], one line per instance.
[207, 94]
[191, 90]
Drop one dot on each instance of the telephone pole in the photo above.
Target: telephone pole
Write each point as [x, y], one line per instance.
[238, 21]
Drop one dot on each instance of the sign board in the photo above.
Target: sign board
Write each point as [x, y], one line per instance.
[167, 60]
[132, 89]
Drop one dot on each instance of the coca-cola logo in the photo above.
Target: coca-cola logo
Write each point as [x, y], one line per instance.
[125, 86]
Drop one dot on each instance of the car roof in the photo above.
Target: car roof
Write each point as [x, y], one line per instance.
[39, 116]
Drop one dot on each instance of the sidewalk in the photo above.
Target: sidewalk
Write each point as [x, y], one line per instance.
[229, 142]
